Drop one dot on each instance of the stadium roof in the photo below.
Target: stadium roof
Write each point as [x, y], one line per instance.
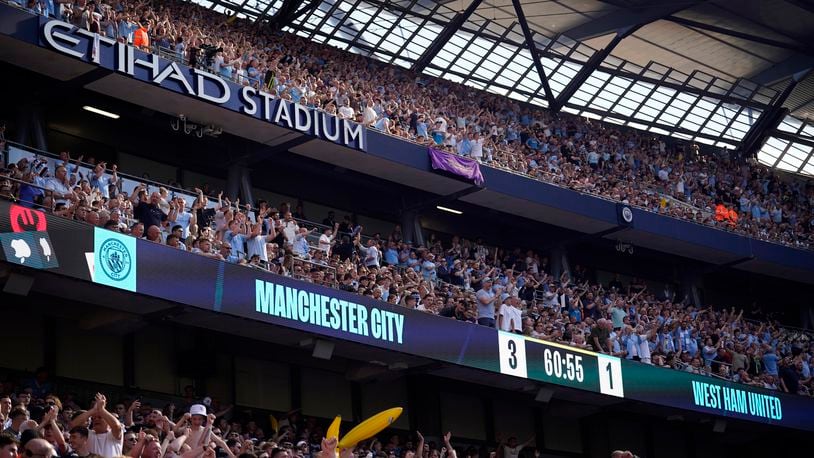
[699, 70]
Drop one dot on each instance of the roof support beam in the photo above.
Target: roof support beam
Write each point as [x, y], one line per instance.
[593, 63]
[790, 137]
[286, 14]
[535, 55]
[444, 36]
[627, 16]
[307, 8]
[771, 118]
[745, 36]
[780, 71]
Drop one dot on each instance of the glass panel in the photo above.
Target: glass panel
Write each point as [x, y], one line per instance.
[623, 110]
[790, 124]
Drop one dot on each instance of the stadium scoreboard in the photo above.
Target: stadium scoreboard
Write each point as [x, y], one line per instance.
[550, 362]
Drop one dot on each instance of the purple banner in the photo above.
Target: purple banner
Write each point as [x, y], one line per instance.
[459, 165]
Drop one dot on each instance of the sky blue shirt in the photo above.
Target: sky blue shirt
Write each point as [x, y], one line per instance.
[421, 129]
[300, 245]
[486, 310]
[391, 256]
[236, 242]
[770, 363]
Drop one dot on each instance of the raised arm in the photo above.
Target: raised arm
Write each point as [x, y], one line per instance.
[419, 450]
[257, 227]
[82, 418]
[128, 417]
[169, 438]
[109, 418]
[50, 419]
[137, 449]
[450, 450]
[328, 449]
[134, 196]
[182, 422]
[220, 443]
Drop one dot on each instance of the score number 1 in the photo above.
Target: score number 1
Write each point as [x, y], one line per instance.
[610, 376]
[512, 354]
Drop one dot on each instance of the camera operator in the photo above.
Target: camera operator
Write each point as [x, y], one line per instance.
[210, 57]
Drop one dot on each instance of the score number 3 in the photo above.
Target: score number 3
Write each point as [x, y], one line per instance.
[610, 376]
[512, 354]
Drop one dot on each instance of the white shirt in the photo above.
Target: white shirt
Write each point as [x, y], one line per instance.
[104, 444]
[372, 258]
[443, 124]
[325, 244]
[346, 112]
[477, 148]
[183, 219]
[644, 349]
[369, 116]
[290, 229]
[512, 318]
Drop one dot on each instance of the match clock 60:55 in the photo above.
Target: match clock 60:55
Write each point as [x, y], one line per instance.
[550, 362]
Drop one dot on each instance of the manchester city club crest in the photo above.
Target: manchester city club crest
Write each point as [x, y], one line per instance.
[115, 260]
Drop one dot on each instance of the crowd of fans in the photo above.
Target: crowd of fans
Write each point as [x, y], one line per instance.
[37, 420]
[621, 164]
[461, 279]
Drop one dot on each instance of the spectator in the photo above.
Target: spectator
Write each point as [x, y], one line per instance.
[486, 304]
[511, 449]
[101, 181]
[39, 448]
[372, 254]
[78, 440]
[600, 336]
[60, 187]
[8, 446]
[105, 435]
[510, 316]
[147, 210]
[17, 417]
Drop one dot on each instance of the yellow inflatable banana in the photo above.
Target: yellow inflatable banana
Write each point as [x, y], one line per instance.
[333, 430]
[369, 427]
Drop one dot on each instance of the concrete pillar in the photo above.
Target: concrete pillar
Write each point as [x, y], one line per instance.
[559, 261]
[411, 228]
[38, 134]
[233, 181]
